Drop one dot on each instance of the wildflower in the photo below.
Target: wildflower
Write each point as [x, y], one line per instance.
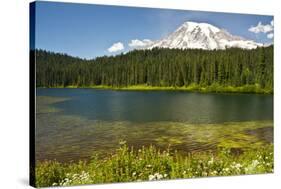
[156, 176]
[151, 177]
[210, 162]
[184, 172]
[255, 163]
[214, 172]
[82, 178]
[148, 166]
[122, 142]
[226, 169]
[75, 175]
[165, 175]
[134, 173]
[238, 166]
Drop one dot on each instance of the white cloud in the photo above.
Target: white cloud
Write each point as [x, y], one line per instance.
[136, 43]
[116, 47]
[270, 35]
[260, 28]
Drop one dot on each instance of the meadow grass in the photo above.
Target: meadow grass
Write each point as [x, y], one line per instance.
[149, 163]
[215, 87]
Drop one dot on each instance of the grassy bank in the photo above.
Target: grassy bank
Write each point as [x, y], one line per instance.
[193, 87]
[149, 163]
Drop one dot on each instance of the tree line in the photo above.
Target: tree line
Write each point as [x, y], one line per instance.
[158, 67]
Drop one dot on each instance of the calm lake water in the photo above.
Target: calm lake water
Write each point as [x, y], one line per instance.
[75, 123]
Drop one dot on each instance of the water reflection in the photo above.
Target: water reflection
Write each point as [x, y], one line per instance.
[162, 105]
[73, 124]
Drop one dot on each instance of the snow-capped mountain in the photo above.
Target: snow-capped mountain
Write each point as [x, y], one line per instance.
[202, 36]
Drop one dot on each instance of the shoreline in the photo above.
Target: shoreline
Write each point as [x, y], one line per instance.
[254, 89]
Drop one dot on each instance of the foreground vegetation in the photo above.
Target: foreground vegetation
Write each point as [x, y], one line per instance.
[149, 163]
[230, 70]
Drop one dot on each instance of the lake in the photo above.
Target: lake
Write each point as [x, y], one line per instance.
[72, 124]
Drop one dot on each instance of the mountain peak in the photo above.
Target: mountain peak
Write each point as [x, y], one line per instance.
[190, 24]
[195, 35]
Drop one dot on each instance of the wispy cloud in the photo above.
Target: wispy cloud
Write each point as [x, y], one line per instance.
[116, 47]
[136, 43]
[270, 35]
[262, 28]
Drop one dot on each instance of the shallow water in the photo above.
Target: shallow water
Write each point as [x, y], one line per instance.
[73, 124]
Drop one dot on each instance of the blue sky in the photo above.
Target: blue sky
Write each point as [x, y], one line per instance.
[88, 31]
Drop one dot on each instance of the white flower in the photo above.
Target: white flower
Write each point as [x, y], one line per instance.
[226, 169]
[238, 166]
[214, 172]
[82, 178]
[122, 142]
[156, 176]
[210, 162]
[151, 177]
[255, 163]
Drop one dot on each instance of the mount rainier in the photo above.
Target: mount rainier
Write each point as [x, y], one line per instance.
[192, 35]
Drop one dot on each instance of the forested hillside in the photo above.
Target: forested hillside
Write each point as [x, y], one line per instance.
[159, 67]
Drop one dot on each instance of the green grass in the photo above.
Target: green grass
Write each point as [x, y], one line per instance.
[215, 87]
[149, 163]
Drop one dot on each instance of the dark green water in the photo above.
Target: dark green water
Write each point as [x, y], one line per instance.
[74, 123]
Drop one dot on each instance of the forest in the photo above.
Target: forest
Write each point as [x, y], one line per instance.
[159, 67]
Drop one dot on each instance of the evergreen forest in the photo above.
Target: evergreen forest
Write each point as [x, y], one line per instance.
[159, 67]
